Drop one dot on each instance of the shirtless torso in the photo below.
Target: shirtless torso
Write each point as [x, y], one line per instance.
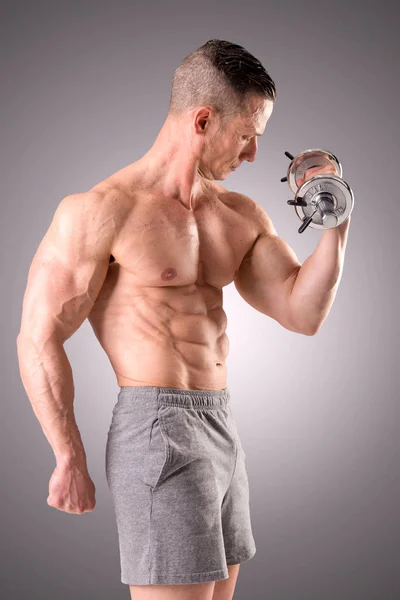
[159, 314]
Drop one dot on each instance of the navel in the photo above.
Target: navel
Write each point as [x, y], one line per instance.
[168, 274]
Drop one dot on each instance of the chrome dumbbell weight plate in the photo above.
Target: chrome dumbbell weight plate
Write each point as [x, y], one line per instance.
[314, 157]
[327, 199]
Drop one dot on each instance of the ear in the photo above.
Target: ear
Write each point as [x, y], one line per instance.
[202, 118]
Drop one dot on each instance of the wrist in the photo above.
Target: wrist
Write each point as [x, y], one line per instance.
[72, 456]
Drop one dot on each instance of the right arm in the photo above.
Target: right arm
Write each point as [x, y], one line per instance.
[64, 279]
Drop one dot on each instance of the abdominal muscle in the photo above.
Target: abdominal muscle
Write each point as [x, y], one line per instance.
[164, 337]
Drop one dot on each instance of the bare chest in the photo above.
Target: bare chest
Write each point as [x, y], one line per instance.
[164, 244]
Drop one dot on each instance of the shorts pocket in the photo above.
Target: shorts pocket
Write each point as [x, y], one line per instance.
[235, 430]
[157, 456]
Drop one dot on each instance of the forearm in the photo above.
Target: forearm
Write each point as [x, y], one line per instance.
[318, 279]
[47, 378]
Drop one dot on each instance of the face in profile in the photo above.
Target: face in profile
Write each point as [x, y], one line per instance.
[236, 141]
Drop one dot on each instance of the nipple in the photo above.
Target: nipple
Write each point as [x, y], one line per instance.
[168, 274]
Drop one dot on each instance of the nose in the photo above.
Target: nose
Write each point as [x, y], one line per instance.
[249, 151]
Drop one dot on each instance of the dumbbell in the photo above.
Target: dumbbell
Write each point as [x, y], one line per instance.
[324, 201]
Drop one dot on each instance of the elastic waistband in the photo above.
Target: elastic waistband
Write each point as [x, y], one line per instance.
[176, 397]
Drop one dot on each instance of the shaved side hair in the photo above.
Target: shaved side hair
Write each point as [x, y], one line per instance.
[222, 75]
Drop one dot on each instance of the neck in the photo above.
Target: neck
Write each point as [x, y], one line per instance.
[172, 164]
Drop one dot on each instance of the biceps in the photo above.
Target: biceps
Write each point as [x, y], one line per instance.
[266, 278]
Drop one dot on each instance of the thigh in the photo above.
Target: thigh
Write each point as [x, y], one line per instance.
[195, 591]
[235, 511]
[225, 589]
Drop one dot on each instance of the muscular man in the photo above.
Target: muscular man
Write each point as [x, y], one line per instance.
[145, 255]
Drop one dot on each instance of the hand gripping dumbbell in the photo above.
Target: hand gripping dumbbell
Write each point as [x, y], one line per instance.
[324, 201]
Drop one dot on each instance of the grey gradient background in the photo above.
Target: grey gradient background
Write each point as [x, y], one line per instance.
[84, 91]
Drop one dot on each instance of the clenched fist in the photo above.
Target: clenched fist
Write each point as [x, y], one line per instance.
[71, 489]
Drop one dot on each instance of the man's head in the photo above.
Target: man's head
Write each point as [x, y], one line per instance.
[222, 98]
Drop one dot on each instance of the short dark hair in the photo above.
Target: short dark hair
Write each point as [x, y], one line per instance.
[222, 75]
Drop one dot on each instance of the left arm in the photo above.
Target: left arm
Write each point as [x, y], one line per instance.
[273, 281]
[318, 279]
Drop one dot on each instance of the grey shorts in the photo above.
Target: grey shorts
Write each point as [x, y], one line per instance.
[176, 470]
